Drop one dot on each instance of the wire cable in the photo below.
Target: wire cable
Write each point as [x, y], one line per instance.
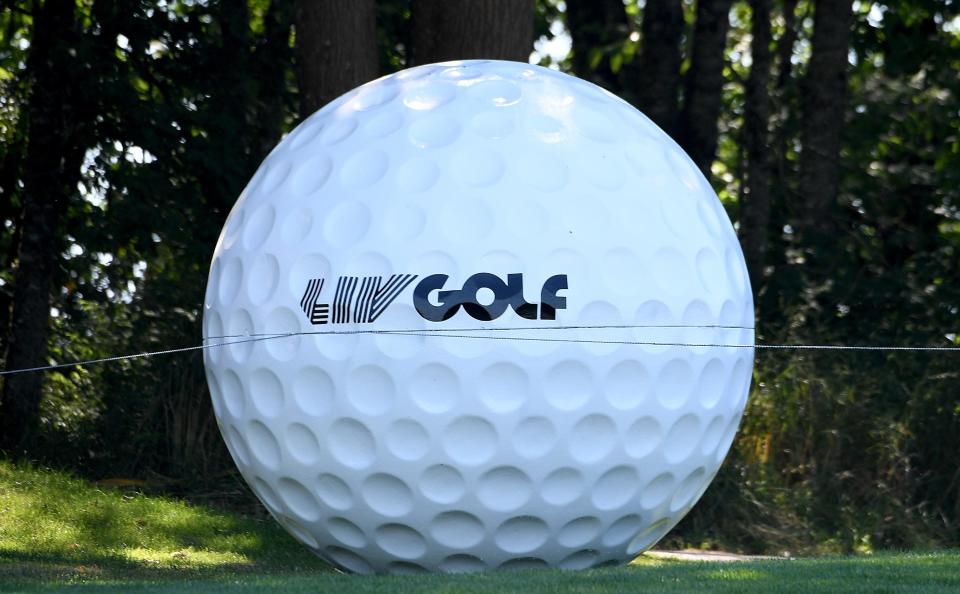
[468, 333]
[135, 355]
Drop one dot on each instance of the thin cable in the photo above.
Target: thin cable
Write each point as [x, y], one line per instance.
[810, 347]
[459, 333]
[135, 355]
[493, 329]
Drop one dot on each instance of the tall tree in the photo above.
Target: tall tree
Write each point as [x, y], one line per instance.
[270, 62]
[238, 79]
[656, 80]
[232, 100]
[11, 160]
[466, 29]
[703, 84]
[58, 112]
[823, 105]
[597, 27]
[784, 89]
[336, 49]
[786, 42]
[755, 208]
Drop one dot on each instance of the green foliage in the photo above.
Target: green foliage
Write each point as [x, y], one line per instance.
[189, 98]
[843, 452]
[393, 34]
[828, 463]
[836, 452]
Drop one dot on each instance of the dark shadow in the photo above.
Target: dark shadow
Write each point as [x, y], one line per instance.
[933, 572]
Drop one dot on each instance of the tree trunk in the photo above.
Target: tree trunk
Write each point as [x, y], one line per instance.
[697, 133]
[755, 209]
[50, 174]
[655, 82]
[786, 42]
[336, 49]
[271, 62]
[466, 29]
[823, 104]
[233, 99]
[9, 245]
[784, 90]
[596, 25]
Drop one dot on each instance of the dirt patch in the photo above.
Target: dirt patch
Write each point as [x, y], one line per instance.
[714, 556]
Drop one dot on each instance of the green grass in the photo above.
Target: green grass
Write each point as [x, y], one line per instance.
[55, 527]
[60, 533]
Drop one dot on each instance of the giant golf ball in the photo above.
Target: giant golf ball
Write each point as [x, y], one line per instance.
[474, 312]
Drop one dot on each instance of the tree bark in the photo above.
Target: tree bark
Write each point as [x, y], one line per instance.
[467, 29]
[270, 63]
[655, 82]
[50, 174]
[786, 42]
[823, 104]
[234, 97]
[703, 87]
[755, 209]
[596, 25]
[9, 245]
[784, 89]
[336, 49]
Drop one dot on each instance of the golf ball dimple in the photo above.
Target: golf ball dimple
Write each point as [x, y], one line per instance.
[471, 308]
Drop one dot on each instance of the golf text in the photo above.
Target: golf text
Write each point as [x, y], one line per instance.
[483, 296]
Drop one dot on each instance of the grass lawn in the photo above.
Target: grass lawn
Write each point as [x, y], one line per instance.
[60, 533]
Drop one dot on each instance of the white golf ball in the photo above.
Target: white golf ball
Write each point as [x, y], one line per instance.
[498, 287]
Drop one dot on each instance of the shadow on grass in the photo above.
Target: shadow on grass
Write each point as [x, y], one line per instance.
[57, 527]
[19, 569]
[933, 572]
[58, 531]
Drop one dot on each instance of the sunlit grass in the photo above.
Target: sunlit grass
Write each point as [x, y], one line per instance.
[58, 532]
[51, 520]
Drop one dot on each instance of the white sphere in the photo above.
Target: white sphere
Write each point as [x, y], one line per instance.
[554, 434]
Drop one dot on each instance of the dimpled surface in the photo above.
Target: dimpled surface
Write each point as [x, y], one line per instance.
[569, 447]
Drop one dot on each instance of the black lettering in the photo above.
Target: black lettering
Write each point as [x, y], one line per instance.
[468, 296]
[517, 302]
[448, 300]
[505, 294]
[550, 302]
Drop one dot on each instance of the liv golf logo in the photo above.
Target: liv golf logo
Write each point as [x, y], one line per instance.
[361, 300]
[357, 300]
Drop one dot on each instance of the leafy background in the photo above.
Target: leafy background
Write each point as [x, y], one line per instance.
[168, 107]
